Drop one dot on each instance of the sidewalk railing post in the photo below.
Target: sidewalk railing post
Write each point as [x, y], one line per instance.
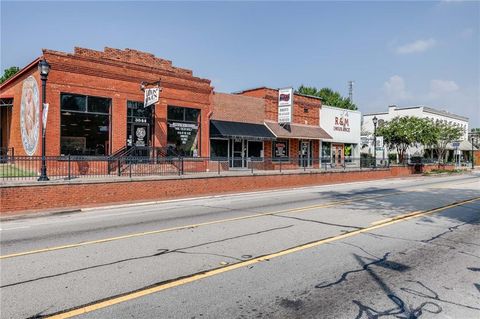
[118, 168]
[218, 166]
[69, 168]
[180, 169]
[280, 165]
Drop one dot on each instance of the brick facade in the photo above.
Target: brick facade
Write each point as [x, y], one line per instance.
[306, 111]
[237, 108]
[114, 74]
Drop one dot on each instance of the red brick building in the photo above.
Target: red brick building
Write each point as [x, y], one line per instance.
[301, 137]
[96, 105]
[237, 129]
[96, 108]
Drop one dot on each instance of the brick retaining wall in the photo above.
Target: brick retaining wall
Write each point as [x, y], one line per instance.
[39, 197]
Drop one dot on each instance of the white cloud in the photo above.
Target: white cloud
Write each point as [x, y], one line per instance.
[395, 89]
[416, 46]
[439, 88]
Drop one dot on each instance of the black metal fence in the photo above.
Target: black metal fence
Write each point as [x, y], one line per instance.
[73, 167]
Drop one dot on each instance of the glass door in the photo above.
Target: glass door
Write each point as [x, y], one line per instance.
[238, 153]
[305, 154]
[337, 155]
[140, 134]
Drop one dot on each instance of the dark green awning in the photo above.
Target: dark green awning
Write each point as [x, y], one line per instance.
[228, 129]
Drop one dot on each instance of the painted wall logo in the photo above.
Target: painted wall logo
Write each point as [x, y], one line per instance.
[342, 123]
[30, 115]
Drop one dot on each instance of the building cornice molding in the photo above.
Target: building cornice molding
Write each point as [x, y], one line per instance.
[130, 66]
[69, 68]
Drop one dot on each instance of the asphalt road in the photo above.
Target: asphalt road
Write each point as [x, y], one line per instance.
[399, 248]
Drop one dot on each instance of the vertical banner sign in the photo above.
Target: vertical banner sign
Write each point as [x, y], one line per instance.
[285, 104]
[151, 96]
[45, 115]
[380, 142]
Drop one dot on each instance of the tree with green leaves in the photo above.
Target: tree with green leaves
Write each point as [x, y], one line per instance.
[328, 96]
[445, 134]
[8, 73]
[402, 132]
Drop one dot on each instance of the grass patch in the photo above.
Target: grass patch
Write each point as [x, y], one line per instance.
[9, 170]
[444, 171]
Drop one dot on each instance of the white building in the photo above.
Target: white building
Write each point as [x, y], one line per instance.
[344, 126]
[421, 112]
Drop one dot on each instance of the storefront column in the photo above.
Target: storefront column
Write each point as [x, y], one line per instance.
[204, 133]
[118, 124]
[160, 122]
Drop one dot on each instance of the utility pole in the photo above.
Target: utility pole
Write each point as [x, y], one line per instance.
[350, 90]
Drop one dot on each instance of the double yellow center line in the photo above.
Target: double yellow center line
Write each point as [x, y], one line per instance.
[209, 273]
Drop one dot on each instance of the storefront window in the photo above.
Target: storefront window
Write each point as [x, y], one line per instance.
[348, 151]
[255, 150]
[326, 151]
[73, 102]
[218, 149]
[183, 133]
[85, 125]
[280, 150]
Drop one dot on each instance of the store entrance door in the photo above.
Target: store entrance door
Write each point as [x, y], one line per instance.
[140, 133]
[238, 153]
[305, 154]
[338, 155]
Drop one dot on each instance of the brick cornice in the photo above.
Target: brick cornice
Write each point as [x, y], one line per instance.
[129, 66]
[68, 67]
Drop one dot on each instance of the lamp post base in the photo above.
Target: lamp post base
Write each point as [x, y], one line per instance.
[43, 175]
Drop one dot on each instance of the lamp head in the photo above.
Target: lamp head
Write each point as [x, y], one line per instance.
[43, 68]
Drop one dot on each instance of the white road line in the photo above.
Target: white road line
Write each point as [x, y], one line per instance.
[12, 228]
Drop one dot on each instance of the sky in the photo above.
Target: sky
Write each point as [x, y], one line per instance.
[403, 53]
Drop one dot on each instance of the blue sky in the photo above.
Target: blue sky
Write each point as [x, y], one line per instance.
[406, 53]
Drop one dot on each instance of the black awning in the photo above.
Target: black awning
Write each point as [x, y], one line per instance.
[240, 130]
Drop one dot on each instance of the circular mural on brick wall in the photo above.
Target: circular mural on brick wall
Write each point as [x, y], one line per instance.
[30, 115]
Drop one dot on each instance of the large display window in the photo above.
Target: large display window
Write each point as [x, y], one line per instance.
[219, 148]
[326, 152]
[255, 150]
[183, 132]
[85, 125]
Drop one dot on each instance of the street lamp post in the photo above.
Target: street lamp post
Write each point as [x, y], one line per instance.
[473, 157]
[44, 69]
[375, 121]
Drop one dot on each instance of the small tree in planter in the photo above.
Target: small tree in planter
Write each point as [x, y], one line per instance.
[445, 134]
